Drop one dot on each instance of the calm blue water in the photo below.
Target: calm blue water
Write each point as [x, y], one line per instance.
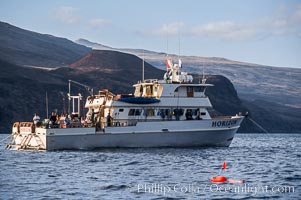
[270, 164]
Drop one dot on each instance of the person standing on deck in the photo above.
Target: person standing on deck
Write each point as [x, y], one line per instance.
[109, 120]
[53, 117]
[36, 119]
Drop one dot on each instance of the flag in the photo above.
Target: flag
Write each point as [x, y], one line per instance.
[224, 165]
[168, 63]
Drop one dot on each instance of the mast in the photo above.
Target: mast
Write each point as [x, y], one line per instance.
[179, 54]
[203, 78]
[179, 60]
[143, 67]
[167, 45]
[46, 105]
[69, 97]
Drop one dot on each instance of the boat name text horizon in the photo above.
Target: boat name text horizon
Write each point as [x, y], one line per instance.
[223, 123]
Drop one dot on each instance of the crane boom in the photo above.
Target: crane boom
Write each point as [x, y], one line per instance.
[88, 88]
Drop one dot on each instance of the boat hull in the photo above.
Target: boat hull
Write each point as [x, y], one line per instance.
[218, 138]
[194, 133]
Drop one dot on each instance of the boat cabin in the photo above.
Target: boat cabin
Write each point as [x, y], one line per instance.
[148, 88]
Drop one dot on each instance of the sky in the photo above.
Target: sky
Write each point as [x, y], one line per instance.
[266, 32]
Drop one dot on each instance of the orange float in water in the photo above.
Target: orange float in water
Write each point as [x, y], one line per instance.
[218, 179]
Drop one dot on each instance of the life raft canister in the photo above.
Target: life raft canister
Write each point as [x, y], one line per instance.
[218, 179]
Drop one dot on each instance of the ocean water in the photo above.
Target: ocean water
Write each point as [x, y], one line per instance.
[270, 164]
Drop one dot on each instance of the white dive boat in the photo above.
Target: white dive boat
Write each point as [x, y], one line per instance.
[161, 113]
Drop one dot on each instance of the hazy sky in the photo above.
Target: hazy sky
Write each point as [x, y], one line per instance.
[258, 31]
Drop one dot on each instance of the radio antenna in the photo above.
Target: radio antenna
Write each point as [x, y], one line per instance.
[143, 67]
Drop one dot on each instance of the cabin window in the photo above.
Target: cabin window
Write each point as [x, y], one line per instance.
[188, 114]
[157, 112]
[189, 91]
[150, 112]
[195, 111]
[121, 110]
[178, 112]
[135, 112]
[138, 112]
[161, 113]
[197, 89]
[131, 112]
[166, 113]
[149, 90]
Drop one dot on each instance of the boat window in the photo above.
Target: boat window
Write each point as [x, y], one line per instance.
[193, 111]
[149, 90]
[166, 113]
[121, 110]
[138, 112]
[160, 88]
[197, 89]
[188, 114]
[131, 112]
[150, 112]
[178, 111]
[161, 113]
[135, 112]
[157, 112]
[189, 91]
[203, 113]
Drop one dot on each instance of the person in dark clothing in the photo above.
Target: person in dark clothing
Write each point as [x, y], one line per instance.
[53, 117]
[162, 113]
[188, 114]
[109, 120]
[177, 114]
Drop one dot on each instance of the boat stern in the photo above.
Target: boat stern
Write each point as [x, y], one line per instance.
[26, 136]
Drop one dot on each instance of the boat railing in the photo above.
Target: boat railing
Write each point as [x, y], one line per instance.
[16, 127]
[119, 96]
[26, 127]
[64, 125]
[133, 122]
[150, 81]
[222, 117]
[30, 127]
